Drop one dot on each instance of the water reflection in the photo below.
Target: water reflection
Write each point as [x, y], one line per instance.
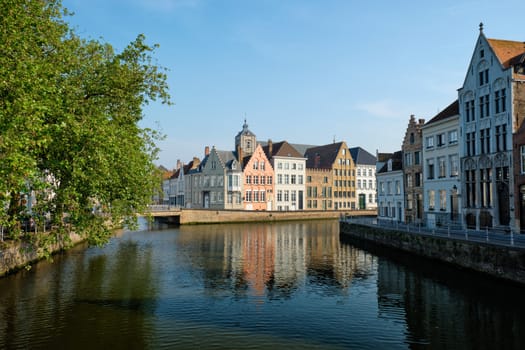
[274, 259]
[283, 285]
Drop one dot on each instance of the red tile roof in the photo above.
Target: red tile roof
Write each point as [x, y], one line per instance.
[507, 50]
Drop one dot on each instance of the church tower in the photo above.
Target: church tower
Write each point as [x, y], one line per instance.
[245, 141]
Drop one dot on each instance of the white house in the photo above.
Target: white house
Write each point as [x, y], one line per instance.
[441, 170]
[365, 164]
[390, 190]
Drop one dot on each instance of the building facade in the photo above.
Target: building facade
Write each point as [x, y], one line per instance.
[289, 175]
[258, 181]
[412, 171]
[336, 191]
[441, 173]
[365, 164]
[488, 119]
[390, 190]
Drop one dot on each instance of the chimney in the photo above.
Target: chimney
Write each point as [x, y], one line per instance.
[178, 164]
[206, 151]
[421, 121]
[270, 148]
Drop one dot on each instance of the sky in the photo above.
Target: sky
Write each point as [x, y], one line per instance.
[304, 71]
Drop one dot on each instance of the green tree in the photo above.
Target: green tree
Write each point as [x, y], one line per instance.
[69, 114]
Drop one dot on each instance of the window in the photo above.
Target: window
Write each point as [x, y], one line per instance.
[248, 197]
[359, 184]
[286, 179]
[370, 184]
[262, 165]
[286, 195]
[471, 143]
[294, 166]
[294, 196]
[483, 77]
[454, 164]
[262, 196]
[430, 168]
[279, 165]
[418, 177]
[249, 179]
[409, 180]
[263, 180]
[398, 187]
[484, 106]
[300, 179]
[412, 138]
[470, 111]
[440, 140]
[293, 179]
[255, 165]
[470, 182]
[442, 167]
[358, 172]
[286, 166]
[453, 136]
[522, 157]
[270, 179]
[255, 179]
[430, 141]
[500, 100]
[279, 196]
[442, 200]
[417, 158]
[369, 172]
[431, 199]
[485, 187]
[408, 159]
[255, 196]
[279, 179]
[389, 187]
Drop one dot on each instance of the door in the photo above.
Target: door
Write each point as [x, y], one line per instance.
[362, 201]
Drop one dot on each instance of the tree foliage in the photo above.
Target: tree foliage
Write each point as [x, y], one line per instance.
[69, 124]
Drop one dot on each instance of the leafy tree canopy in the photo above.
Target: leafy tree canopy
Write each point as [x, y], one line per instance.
[69, 133]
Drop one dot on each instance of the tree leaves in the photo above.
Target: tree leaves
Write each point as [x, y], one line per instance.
[69, 113]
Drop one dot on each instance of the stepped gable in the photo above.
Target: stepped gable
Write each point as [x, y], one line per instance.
[322, 157]
[361, 156]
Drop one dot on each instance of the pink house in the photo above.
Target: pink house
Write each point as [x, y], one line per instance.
[258, 181]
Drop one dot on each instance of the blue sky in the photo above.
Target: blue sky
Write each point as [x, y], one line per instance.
[304, 71]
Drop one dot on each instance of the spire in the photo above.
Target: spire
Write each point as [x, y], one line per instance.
[481, 27]
[245, 125]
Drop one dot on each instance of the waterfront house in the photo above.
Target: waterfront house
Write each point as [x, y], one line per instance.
[491, 112]
[390, 191]
[330, 174]
[289, 174]
[258, 181]
[412, 171]
[441, 184]
[365, 164]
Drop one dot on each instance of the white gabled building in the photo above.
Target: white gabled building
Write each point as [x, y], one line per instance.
[390, 189]
[441, 170]
[289, 175]
[365, 164]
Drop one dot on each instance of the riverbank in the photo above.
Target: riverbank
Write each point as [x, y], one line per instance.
[506, 263]
[16, 255]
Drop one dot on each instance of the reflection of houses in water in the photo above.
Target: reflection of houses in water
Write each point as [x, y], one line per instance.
[275, 259]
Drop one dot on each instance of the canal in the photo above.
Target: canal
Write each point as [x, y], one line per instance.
[293, 285]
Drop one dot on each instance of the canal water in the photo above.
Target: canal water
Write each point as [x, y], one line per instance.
[253, 286]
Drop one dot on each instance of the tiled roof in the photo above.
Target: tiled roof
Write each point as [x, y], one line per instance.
[361, 156]
[322, 157]
[450, 111]
[281, 149]
[397, 163]
[507, 51]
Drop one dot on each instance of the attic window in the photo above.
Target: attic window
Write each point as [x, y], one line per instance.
[481, 53]
[411, 138]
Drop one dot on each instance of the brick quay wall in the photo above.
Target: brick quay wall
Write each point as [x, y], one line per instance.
[502, 262]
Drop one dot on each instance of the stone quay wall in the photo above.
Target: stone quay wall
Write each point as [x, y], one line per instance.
[16, 255]
[506, 263]
[210, 216]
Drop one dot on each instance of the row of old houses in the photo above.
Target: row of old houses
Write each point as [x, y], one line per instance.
[466, 166]
[275, 176]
